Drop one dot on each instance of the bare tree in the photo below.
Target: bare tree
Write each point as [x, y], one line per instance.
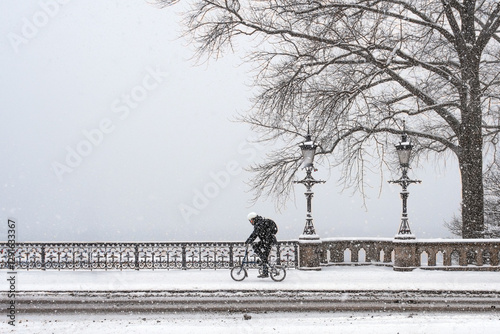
[492, 203]
[356, 68]
[166, 3]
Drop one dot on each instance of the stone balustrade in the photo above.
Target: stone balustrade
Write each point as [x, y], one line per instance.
[444, 254]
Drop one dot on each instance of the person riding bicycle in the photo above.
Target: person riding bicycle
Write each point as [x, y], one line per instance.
[265, 230]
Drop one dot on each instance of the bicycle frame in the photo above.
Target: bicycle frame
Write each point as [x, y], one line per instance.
[245, 260]
[276, 272]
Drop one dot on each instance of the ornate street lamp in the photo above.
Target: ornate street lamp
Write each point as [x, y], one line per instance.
[403, 150]
[308, 148]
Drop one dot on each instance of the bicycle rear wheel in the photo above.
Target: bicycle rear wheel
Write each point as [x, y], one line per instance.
[278, 273]
[238, 273]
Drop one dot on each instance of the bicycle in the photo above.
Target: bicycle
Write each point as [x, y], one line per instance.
[239, 273]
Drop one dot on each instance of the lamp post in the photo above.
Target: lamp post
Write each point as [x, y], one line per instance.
[308, 149]
[403, 150]
[311, 252]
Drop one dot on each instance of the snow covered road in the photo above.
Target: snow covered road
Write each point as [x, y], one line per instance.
[261, 323]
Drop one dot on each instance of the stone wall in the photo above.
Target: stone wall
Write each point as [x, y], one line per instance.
[443, 254]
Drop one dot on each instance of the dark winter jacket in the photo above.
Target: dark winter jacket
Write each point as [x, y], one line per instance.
[262, 229]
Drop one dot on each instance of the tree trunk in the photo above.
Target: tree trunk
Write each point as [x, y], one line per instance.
[472, 194]
[470, 136]
[470, 156]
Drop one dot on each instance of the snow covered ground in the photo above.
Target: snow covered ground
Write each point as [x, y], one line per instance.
[360, 278]
[221, 323]
[330, 278]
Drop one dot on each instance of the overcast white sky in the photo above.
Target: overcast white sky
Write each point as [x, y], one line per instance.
[109, 131]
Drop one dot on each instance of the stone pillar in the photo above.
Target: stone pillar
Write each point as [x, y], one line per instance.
[494, 256]
[479, 257]
[336, 253]
[354, 253]
[371, 253]
[405, 255]
[387, 255]
[431, 258]
[310, 253]
[324, 254]
[447, 256]
[462, 260]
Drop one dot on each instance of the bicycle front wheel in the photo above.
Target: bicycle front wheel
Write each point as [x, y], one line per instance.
[238, 273]
[278, 273]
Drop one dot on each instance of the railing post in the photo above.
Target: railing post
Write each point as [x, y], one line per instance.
[73, 257]
[296, 250]
[231, 261]
[43, 257]
[136, 254]
[89, 250]
[184, 262]
[278, 254]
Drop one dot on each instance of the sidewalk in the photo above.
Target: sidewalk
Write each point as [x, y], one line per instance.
[336, 278]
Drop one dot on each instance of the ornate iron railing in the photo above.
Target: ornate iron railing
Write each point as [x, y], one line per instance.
[138, 255]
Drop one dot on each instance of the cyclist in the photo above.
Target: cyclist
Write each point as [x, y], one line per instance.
[265, 230]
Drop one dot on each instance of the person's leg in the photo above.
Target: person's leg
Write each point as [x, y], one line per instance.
[258, 248]
[266, 250]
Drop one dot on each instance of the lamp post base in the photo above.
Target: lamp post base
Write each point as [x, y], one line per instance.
[308, 237]
[405, 237]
